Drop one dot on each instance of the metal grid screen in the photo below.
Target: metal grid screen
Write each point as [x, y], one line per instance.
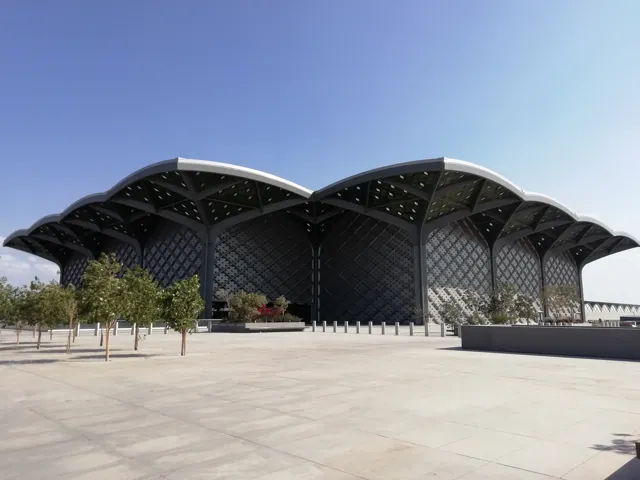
[458, 263]
[269, 255]
[73, 270]
[519, 265]
[366, 272]
[173, 253]
[561, 269]
[125, 253]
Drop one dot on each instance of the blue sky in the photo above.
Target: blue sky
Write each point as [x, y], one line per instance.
[546, 93]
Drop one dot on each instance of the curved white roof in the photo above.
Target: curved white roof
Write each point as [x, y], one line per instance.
[429, 165]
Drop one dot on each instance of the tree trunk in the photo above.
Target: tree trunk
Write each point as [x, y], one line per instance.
[101, 335]
[183, 350]
[18, 337]
[137, 339]
[69, 336]
[39, 337]
[106, 346]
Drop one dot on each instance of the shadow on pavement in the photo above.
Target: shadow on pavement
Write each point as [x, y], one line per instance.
[626, 360]
[100, 356]
[629, 471]
[622, 443]
[28, 362]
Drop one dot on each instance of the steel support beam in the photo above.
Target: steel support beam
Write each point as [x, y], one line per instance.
[174, 217]
[390, 219]
[207, 270]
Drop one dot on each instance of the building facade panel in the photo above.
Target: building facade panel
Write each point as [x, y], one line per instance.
[173, 253]
[458, 264]
[271, 255]
[366, 272]
[518, 264]
[561, 269]
[124, 252]
[73, 270]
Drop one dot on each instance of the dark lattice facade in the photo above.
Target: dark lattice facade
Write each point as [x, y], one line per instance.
[458, 265]
[173, 253]
[391, 244]
[518, 264]
[124, 252]
[366, 272]
[270, 255]
[72, 271]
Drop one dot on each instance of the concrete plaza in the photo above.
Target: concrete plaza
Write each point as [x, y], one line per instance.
[282, 406]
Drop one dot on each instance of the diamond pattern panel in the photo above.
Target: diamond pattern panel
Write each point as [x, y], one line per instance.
[73, 270]
[270, 255]
[173, 253]
[560, 269]
[458, 264]
[519, 265]
[366, 272]
[125, 253]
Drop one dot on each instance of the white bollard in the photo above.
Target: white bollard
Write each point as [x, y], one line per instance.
[426, 328]
[78, 329]
[411, 329]
[133, 328]
[346, 327]
[443, 330]
[210, 325]
[358, 327]
[397, 329]
[95, 333]
[324, 325]
[150, 330]
[166, 328]
[313, 326]
[115, 328]
[384, 328]
[370, 328]
[335, 326]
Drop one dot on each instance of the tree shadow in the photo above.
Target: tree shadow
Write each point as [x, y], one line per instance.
[552, 355]
[100, 356]
[29, 361]
[623, 443]
[629, 471]
[77, 350]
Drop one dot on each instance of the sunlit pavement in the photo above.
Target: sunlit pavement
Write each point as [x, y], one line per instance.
[311, 405]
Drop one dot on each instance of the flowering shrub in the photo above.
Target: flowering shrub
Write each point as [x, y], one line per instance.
[252, 307]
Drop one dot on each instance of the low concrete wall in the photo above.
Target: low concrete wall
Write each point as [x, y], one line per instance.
[258, 327]
[618, 343]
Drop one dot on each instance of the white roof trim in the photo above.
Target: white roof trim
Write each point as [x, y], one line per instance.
[244, 172]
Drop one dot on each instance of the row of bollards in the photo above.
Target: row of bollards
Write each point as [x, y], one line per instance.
[383, 327]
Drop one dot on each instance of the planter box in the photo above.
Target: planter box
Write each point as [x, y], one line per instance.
[258, 327]
[598, 342]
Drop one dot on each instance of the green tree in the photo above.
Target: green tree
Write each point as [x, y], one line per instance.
[182, 306]
[451, 312]
[6, 295]
[524, 308]
[102, 293]
[498, 306]
[561, 299]
[67, 304]
[18, 310]
[34, 307]
[140, 299]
